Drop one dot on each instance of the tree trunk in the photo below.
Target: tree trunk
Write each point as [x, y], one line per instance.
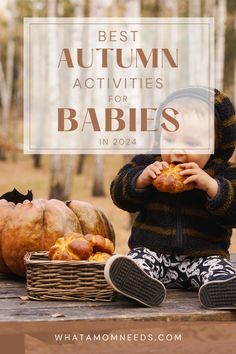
[194, 8]
[37, 161]
[194, 55]
[209, 8]
[132, 8]
[220, 43]
[235, 82]
[98, 182]
[234, 65]
[70, 161]
[97, 9]
[80, 165]
[62, 173]
[6, 104]
[87, 8]
[6, 79]
[69, 173]
[56, 179]
[234, 96]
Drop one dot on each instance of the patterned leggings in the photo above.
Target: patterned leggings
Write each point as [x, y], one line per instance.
[182, 271]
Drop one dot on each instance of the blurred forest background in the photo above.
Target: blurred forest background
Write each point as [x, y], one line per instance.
[87, 177]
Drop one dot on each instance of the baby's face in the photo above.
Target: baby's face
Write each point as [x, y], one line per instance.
[184, 144]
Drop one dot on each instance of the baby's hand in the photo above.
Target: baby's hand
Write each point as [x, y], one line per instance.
[150, 173]
[200, 178]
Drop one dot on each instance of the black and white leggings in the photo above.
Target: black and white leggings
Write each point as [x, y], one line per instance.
[182, 271]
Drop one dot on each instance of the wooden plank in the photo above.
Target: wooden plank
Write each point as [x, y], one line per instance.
[126, 314]
[10, 280]
[178, 306]
[13, 292]
[14, 303]
[233, 259]
[10, 284]
[12, 277]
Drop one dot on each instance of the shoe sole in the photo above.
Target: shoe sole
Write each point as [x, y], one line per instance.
[125, 276]
[219, 294]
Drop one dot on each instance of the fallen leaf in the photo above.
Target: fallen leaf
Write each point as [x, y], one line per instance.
[24, 298]
[57, 315]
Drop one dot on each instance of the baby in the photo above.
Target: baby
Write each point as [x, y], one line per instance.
[181, 239]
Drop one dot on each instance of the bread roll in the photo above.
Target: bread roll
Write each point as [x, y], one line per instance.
[99, 257]
[171, 181]
[100, 244]
[73, 246]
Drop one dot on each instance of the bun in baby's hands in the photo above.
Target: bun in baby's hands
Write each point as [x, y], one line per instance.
[171, 181]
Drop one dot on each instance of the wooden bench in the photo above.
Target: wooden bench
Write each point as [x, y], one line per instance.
[19, 316]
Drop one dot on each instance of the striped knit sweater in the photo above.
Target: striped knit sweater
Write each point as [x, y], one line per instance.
[188, 223]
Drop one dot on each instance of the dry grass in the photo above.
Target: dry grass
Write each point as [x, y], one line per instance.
[23, 176]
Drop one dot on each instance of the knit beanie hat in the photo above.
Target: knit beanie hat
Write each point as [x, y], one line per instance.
[225, 120]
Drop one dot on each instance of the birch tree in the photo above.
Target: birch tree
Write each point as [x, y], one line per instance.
[220, 26]
[209, 8]
[63, 169]
[195, 70]
[70, 163]
[56, 177]
[234, 92]
[37, 75]
[235, 62]
[194, 8]
[6, 76]
[132, 8]
[234, 81]
[171, 75]
[97, 9]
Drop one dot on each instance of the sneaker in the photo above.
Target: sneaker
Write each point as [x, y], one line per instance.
[219, 294]
[127, 278]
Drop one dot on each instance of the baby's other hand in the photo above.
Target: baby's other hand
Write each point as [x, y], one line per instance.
[194, 174]
[150, 173]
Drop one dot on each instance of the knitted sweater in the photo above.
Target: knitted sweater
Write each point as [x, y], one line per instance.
[187, 223]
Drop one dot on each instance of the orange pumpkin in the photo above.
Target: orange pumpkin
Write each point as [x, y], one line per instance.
[36, 225]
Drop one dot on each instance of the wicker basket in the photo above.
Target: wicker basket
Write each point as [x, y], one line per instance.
[65, 280]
